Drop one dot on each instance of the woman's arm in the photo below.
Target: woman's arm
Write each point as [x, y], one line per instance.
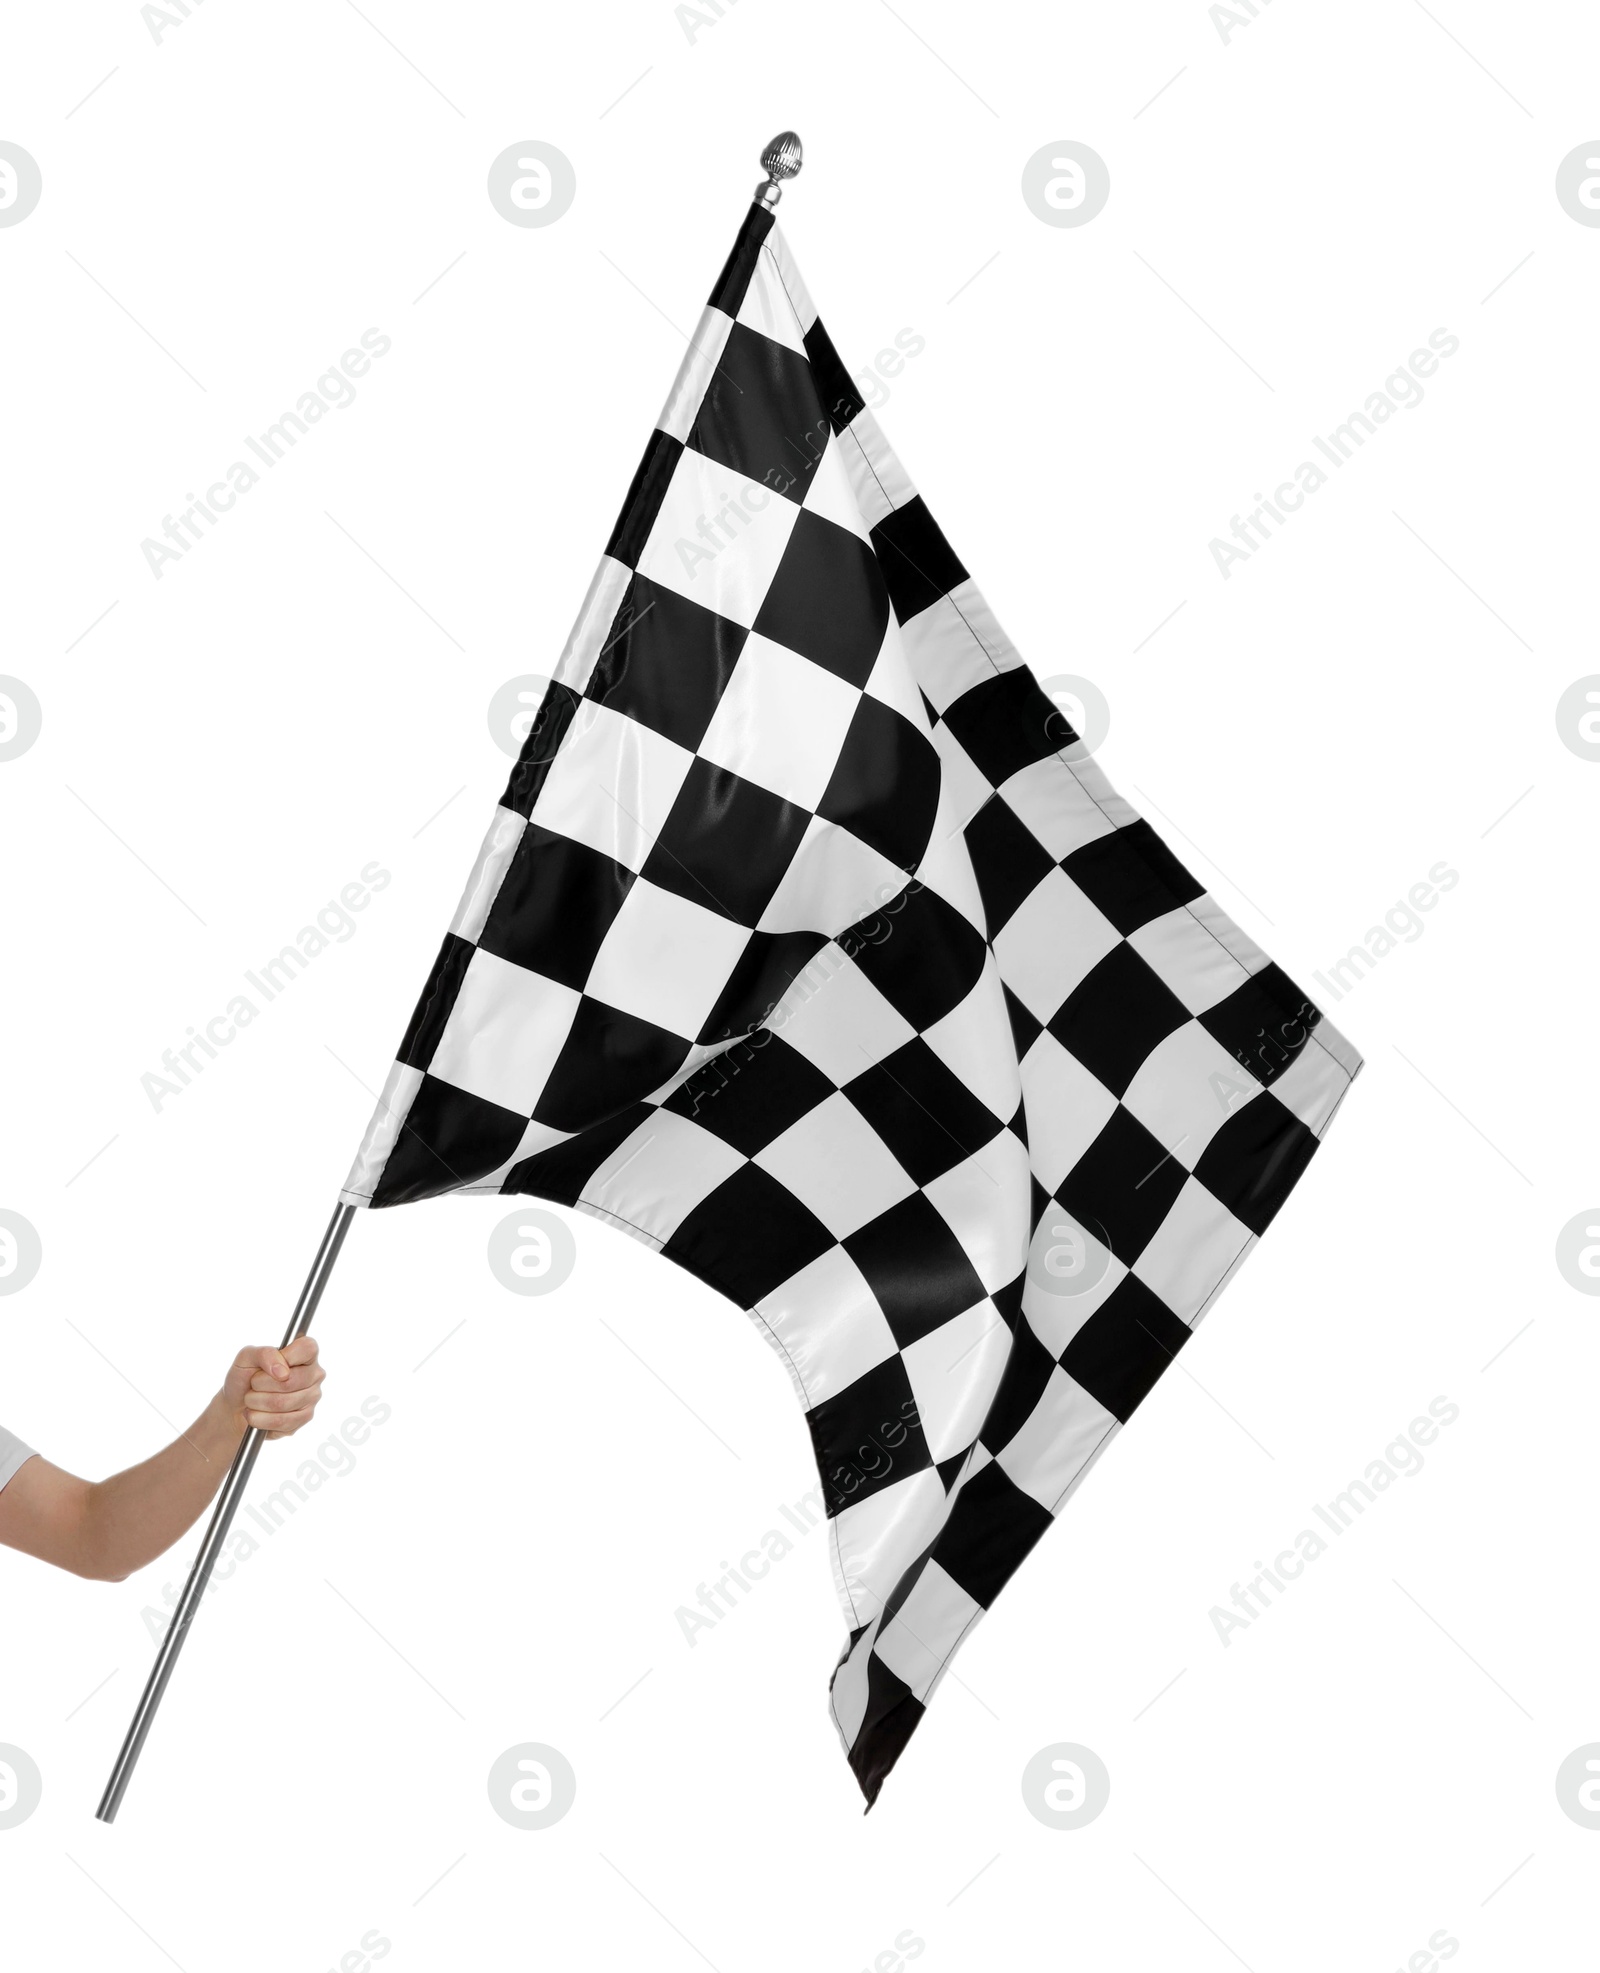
[105, 1529]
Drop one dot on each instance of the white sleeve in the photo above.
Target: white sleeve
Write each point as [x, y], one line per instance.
[12, 1454]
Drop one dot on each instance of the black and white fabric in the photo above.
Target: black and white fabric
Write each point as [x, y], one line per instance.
[808, 946]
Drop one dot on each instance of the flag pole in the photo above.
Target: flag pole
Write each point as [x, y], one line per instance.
[781, 160]
[216, 1533]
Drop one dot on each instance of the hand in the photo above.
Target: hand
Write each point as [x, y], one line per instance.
[273, 1390]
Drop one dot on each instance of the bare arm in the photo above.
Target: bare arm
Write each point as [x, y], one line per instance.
[105, 1529]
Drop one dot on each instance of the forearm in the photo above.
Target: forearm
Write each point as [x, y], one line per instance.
[108, 1528]
[131, 1518]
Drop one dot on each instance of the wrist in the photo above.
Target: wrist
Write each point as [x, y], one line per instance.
[220, 1426]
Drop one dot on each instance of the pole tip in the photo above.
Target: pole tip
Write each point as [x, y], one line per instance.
[780, 160]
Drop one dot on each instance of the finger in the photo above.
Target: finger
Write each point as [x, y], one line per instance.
[298, 1380]
[305, 1378]
[270, 1425]
[282, 1401]
[264, 1357]
[302, 1350]
[279, 1424]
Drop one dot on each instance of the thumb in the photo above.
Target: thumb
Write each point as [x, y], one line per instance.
[274, 1361]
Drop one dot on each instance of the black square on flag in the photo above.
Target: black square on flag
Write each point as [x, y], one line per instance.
[828, 600]
[554, 906]
[747, 1236]
[923, 1111]
[704, 851]
[1125, 1183]
[885, 785]
[916, 1268]
[666, 662]
[1113, 1019]
[1124, 1346]
[868, 1437]
[762, 416]
[919, 565]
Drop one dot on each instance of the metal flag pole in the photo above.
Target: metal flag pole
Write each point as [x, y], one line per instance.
[216, 1533]
[781, 160]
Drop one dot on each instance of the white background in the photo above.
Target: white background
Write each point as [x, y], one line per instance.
[306, 691]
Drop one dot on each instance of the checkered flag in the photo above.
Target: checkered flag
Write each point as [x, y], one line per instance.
[808, 946]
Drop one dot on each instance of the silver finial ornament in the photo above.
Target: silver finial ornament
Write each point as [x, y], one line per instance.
[780, 160]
